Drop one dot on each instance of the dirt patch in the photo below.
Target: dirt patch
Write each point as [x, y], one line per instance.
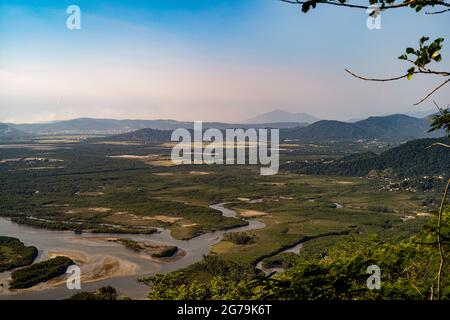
[344, 182]
[134, 157]
[199, 173]
[99, 209]
[163, 218]
[163, 174]
[189, 225]
[90, 194]
[286, 198]
[10, 160]
[120, 143]
[252, 213]
[84, 210]
[126, 217]
[424, 214]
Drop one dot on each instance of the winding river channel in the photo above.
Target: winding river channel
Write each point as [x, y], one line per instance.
[50, 243]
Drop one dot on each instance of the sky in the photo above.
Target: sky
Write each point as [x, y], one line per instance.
[210, 60]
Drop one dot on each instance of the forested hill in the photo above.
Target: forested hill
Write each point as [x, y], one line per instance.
[393, 128]
[143, 135]
[114, 127]
[8, 133]
[413, 158]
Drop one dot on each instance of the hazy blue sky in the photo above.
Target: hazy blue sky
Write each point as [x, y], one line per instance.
[224, 60]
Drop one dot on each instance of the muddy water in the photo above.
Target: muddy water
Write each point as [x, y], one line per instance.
[48, 241]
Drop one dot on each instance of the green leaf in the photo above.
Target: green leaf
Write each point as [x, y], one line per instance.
[410, 73]
[424, 39]
[437, 58]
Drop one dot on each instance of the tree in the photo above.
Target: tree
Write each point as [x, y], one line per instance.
[420, 59]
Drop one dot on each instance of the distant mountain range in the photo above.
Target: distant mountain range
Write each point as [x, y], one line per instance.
[112, 126]
[393, 128]
[409, 159]
[421, 113]
[282, 116]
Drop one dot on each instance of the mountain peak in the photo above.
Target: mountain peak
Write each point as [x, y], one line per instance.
[279, 115]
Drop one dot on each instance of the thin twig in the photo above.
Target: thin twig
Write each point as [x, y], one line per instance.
[438, 144]
[417, 289]
[377, 79]
[433, 91]
[437, 12]
[442, 73]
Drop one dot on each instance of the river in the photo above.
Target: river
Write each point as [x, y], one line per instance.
[48, 241]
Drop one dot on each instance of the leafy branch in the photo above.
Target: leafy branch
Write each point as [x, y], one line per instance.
[441, 121]
[420, 59]
[417, 5]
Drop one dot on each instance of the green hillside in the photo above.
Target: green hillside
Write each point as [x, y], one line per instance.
[410, 159]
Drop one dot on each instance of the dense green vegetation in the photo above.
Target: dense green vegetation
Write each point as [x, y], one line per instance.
[394, 162]
[408, 272]
[91, 188]
[283, 260]
[176, 284]
[393, 128]
[104, 293]
[239, 238]
[14, 254]
[143, 135]
[40, 272]
[80, 227]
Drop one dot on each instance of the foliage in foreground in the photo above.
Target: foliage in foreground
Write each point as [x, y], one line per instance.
[104, 293]
[408, 271]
